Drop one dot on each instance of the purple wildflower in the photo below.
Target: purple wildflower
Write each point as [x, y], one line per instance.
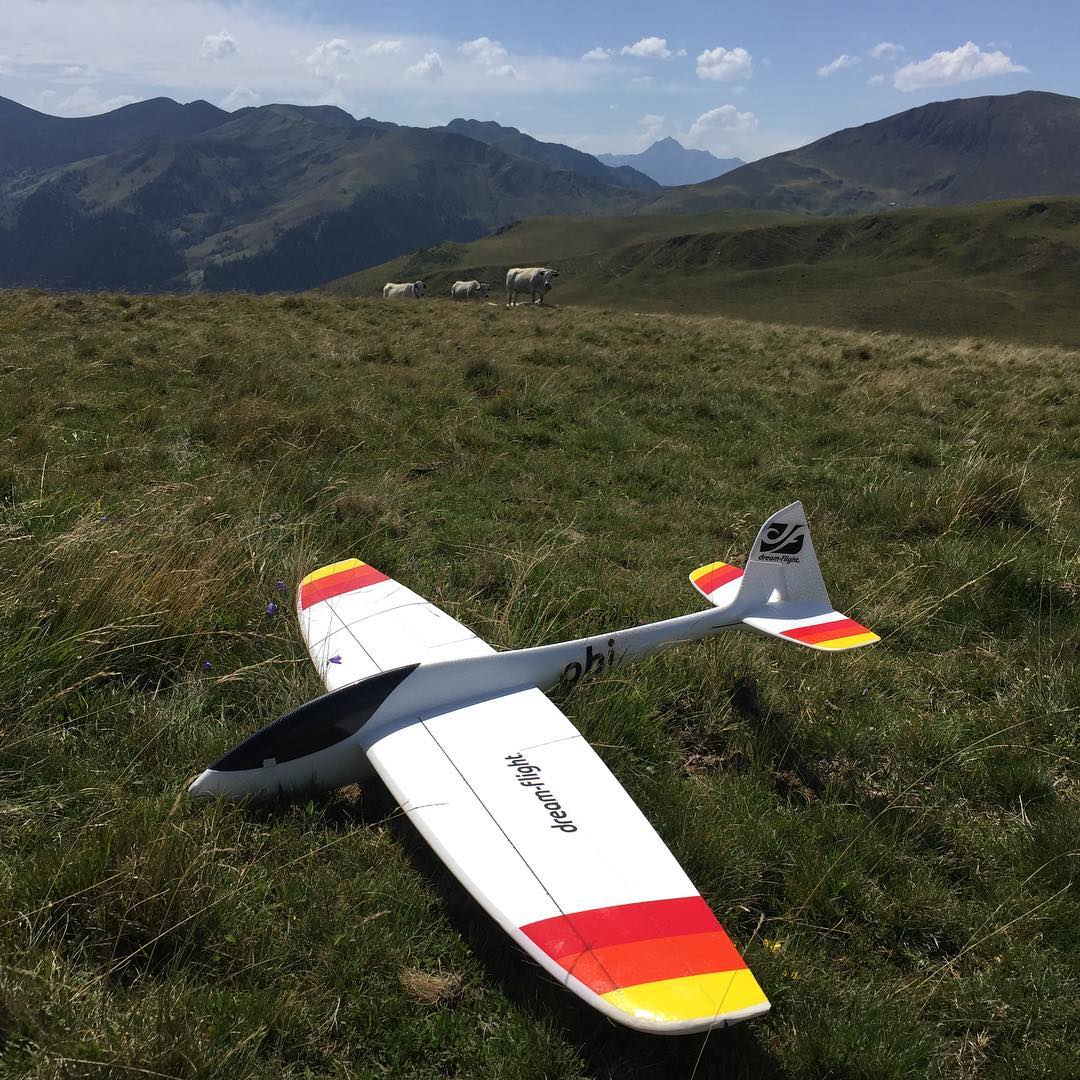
[280, 586]
[271, 608]
[206, 665]
[335, 659]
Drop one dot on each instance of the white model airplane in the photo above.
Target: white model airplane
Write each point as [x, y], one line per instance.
[508, 793]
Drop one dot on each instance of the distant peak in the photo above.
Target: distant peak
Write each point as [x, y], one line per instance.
[490, 127]
[669, 143]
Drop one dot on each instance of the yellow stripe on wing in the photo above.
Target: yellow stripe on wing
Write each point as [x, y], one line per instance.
[693, 997]
[852, 642]
[333, 568]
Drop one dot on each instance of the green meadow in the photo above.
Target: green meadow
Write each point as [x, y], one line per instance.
[891, 835]
[1007, 270]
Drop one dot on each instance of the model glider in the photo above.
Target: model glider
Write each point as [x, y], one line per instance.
[508, 793]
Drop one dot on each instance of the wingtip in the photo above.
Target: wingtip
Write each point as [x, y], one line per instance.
[690, 1003]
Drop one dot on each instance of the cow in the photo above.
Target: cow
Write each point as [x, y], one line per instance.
[393, 291]
[469, 290]
[534, 280]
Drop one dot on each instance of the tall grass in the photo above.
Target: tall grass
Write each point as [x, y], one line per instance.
[890, 835]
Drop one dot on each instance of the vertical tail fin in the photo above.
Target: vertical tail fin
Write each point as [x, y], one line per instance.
[782, 566]
[781, 592]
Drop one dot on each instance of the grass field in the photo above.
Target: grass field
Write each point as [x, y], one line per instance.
[891, 835]
[1007, 270]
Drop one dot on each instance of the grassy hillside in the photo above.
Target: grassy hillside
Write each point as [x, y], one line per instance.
[890, 835]
[1010, 270]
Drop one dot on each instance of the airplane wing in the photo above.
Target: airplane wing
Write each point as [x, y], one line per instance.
[357, 622]
[531, 821]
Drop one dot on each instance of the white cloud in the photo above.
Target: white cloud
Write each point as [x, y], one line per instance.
[652, 128]
[326, 58]
[382, 48]
[598, 54]
[218, 46]
[82, 102]
[239, 97]
[725, 118]
[430, 66]
[886, 50]
[875, 80]
[490, 56]
[964, 64]
[724, 65]
[642, 80]
[158, 54]
[648, 48]
[485, 52]
[841, 62]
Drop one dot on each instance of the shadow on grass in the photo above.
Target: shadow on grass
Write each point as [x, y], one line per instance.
[608, 1049]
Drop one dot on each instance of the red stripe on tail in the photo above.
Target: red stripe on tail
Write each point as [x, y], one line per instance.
[819, 632]
[715, 578]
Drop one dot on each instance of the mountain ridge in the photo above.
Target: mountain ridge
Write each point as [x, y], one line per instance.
[945, 153]
[671, 164]
[556, 155]
[32, 139]
[286, 196]
[276, 197]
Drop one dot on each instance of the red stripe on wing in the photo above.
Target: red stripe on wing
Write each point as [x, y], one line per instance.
[326, 588]
[607, 969]
[566, 935]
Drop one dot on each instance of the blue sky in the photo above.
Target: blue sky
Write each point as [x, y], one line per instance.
[745, 80]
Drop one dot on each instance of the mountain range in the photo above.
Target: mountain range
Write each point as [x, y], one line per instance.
[670, 163]
[555, 155]
[947, 153]
[30, 140]
[162, 195]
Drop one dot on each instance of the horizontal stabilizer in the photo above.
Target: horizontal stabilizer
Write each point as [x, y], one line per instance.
[781, 592]
[718, 582]
[827, 630]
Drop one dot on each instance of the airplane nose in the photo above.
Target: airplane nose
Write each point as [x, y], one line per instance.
[202, 787]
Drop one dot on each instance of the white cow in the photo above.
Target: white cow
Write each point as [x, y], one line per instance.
[393, 291]
[469, 290]
[534, 280]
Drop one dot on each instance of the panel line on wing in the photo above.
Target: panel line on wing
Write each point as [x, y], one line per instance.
[553, 742]
[348, 629]
[525, 862]
[388, 610]
[495, 820]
